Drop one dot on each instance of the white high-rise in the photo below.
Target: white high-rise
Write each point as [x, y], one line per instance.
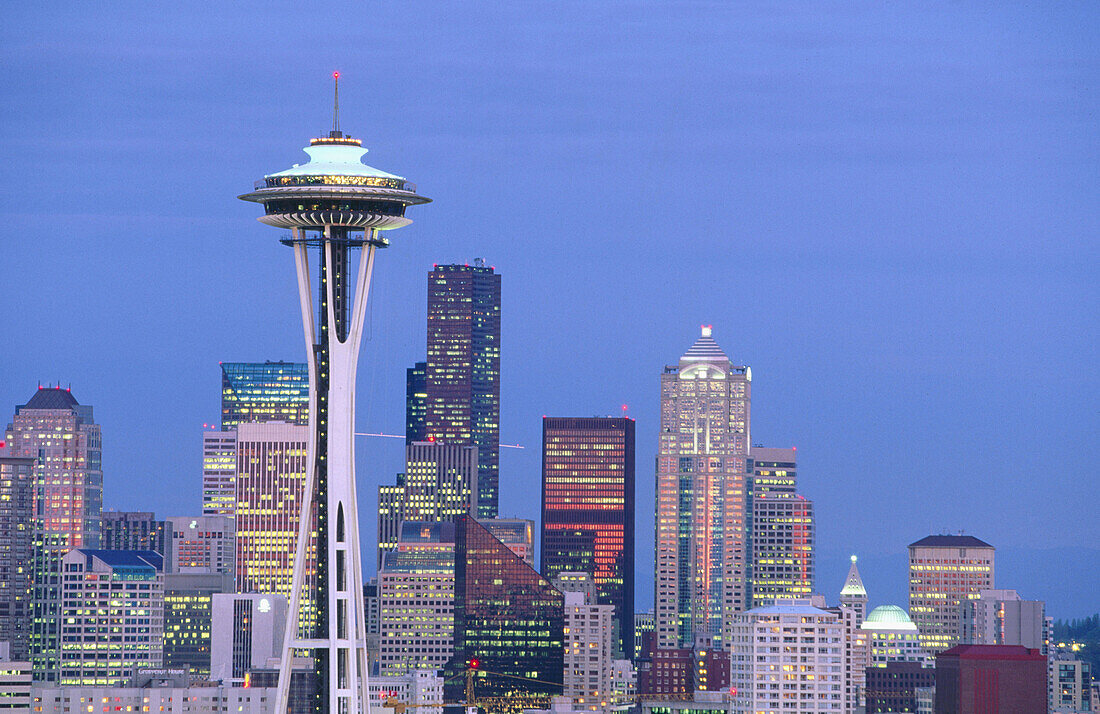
[786, 658]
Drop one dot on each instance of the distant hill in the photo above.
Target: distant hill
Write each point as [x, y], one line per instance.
[1086, 631]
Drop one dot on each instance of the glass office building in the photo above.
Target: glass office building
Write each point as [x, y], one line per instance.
[263, 392]
[508, 618]
[588, 509]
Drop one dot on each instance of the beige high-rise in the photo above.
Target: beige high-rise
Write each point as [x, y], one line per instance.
[944, 571]
[701, 473]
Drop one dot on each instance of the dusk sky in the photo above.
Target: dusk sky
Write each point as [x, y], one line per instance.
[890, 211]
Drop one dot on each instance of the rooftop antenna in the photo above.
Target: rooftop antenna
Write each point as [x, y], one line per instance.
[336, 106]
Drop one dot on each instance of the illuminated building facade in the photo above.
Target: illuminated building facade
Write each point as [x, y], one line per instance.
[63, 438]
[271, 472]
[508, 617]
[62, 434]
[219, 472]
[589, 642]
[204, 544]
[416, 599]
[781, 531]
[588, 509]
[264, 391]
[893, 687]
[463, 368]
[439, 483]
[787, 657]
[944, 572]
[416, 402]
[188, 614]
[702, 470]
[16, 552]
[112, 607]
[136, 530]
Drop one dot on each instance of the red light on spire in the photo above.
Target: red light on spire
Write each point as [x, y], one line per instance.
[475, 663]
[336, 75]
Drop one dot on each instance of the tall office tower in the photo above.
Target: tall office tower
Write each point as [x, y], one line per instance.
[944, 572]
[416, 402]
[589, 637]
[781, 529]
[703, 450]
[439, 483]
[264, 391]
[246, 630]
[16, 551]
[857, 646]
[588, 509]
[1002, 617]
[998, 679]
[416, 594]
[112, 604]
[68, 496]
[508, 618]
[271, 485]
[333, 203]
[65, 439]
[204, 544]
[463, 368]
[188, 613]
[136, 530]
[219, 473]
[785, 657]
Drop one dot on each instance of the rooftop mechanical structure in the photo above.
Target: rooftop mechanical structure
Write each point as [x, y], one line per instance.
[333, 205]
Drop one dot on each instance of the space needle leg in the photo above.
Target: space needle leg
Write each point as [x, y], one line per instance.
[299, 578]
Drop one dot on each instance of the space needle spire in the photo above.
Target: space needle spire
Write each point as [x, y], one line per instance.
[336, 207]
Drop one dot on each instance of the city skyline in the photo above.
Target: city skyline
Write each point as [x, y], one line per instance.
[946, 296]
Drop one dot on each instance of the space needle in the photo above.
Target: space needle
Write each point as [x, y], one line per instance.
[333, 205]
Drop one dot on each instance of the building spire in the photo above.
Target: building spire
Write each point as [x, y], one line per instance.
[336, 105]
[853, 584]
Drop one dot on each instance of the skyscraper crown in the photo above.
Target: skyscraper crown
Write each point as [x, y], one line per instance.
[853, 585]
[705, 349]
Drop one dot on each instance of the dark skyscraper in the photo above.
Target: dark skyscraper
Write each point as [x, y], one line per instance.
[463, 368]
[416, 402]
[588, 509]
[263, 392]
[506, 616]
[16, 549]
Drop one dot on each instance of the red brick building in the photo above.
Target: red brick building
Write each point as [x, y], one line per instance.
[991, 679]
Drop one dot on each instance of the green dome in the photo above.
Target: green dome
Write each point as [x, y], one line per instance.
[888, 617]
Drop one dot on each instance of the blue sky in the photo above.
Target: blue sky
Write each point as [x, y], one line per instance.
[889, 211]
